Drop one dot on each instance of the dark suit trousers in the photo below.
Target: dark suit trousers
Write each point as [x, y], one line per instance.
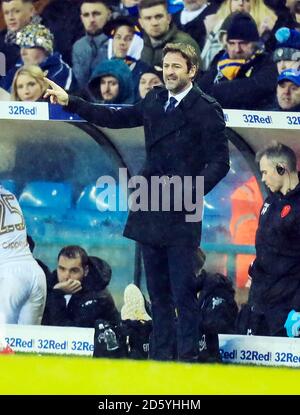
[171, 284]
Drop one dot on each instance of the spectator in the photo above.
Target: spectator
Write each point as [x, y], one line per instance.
[126, 43]
[22, 281]
[287, 52]
[159, 30]
[242, 76]
[28, 84]
[62, 17]
[111, 83]
[294, 8]
[285, 56]
[215, 41]
[191, 19]
[275, 273]
[91, 49]
[126, 8]
[17, 14]
[77, 293]
[262, 15]
[36, 43]
[286, 17]
[148, 80]
[288, 91]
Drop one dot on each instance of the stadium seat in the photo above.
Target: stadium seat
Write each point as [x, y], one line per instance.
[10, 185]
[47, 201]
[89, 213]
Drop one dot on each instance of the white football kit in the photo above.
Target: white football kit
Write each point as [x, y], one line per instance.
[22, 281]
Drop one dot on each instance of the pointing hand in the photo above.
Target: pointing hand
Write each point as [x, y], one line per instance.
[57, 94]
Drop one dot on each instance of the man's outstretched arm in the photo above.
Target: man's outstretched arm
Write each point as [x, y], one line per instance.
[104, 116]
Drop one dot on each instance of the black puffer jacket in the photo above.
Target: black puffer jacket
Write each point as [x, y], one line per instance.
[93, 302]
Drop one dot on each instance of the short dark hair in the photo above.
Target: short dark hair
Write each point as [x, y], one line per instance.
[105, 2]
[146, 4]
[279, 153]
[187, 51]
[74, 251]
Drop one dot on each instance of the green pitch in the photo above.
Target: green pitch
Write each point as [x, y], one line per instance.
[22, 374]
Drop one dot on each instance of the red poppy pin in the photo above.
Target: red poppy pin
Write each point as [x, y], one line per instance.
[285, 211]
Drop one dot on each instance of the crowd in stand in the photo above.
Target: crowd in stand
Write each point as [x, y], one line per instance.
[107, 51]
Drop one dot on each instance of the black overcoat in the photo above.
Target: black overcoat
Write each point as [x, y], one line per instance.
[189, 141]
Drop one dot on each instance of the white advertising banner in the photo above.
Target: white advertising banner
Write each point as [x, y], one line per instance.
[255, 350]
[262, 119]
[24, 110]
[49, 339]
[233, 118]
[259, 350]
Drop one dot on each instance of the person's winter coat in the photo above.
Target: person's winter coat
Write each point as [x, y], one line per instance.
[253, 88]
[119, 70]
[93, 302]
[152, 55]
[53, 66]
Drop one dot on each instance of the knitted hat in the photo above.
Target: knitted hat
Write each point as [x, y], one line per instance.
[242, 27]
[292, 75]
[175, 6]
[156, 70]
[35, 36]
[288, 45]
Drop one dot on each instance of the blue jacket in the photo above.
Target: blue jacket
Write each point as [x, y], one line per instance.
[118, 69]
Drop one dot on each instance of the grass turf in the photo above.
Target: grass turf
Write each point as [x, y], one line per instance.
[38, 375]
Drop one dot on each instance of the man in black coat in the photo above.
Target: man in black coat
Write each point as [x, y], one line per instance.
[188, 140]
[275, 273]
[76, 291]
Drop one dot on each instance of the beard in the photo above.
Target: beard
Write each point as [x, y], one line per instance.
[176, 85]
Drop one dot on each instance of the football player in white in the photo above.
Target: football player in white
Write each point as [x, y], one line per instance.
[22, 281]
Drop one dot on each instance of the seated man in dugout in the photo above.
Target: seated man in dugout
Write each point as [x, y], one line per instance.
[76, 290]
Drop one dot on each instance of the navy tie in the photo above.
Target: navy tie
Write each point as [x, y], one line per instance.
[171, 105]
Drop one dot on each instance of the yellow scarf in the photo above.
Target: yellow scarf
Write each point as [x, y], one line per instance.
[230, 67]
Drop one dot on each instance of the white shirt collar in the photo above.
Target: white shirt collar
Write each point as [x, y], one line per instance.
[179, 97]
[187, 16]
